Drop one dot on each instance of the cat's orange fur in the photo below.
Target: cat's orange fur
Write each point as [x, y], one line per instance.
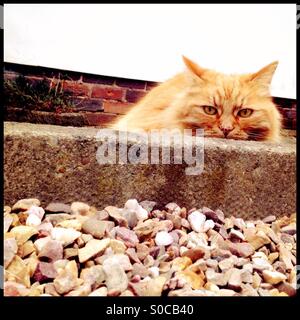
[181, 102]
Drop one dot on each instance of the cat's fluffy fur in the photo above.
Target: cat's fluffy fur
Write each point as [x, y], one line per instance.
[181, 102]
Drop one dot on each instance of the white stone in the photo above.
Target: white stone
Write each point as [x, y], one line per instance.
[197, 220]
[182, 249]
[37, 211]
[146, 279]
[60, 264]
[273, 277]
[120, 259]
[65, 236]
[208, 224]
[260, 254]
[154, 271]
[39, 243]
[131, 204]
[237, 233]
[248, 267]
[100, 292]
[250, 225]
[163, 238]
[80, 208]
[191, 245]
[240, 222]
[199, 239]
[92, 248]
[261, 264]
[33, 220]
[141, 213]
[45, 226]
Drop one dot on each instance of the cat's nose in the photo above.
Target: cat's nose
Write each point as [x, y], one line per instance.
[226, 130]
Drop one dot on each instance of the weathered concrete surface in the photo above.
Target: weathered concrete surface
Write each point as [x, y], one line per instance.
[53, 163]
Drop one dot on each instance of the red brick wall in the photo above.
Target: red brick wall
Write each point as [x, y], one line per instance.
[101, 98]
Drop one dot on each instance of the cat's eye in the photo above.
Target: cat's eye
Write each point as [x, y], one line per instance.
[245, 113]
[210, 110]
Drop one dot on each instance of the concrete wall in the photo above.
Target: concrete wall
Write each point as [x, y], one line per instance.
[56, 163]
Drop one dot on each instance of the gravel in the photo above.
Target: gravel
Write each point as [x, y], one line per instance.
[139, 250]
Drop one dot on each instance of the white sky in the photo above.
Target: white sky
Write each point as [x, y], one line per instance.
[146, 41]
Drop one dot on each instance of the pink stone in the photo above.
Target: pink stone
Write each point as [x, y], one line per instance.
[127, 236]
[44, 271]
[52, 250]
[14, 289]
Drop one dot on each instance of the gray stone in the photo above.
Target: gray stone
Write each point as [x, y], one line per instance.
[148, 205]
[269, 219]
[116, 278]
[94, 276]
[216, 278]
[96, 228]
[238, 168]
[119, 259]
[140, 269]
[130, 217]
[58, 207]
[56, 218]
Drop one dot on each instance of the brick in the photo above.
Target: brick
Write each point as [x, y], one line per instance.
[75, 88]
[107, 92]
[10, 75]
[283, 111]
[87, 104]
[134, 95]
[130, 83]
[291, 114]
[116, 107]
[36, 82]
[283, 102]
[98, 118]
[287, 113]
[90, 78]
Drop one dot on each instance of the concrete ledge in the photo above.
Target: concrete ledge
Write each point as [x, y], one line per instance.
[54, 163]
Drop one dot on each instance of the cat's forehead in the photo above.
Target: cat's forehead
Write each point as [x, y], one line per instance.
[226, 88]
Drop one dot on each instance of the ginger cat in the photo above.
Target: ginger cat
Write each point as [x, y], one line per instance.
[225, 106]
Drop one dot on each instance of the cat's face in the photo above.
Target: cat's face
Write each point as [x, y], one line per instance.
[231, 106]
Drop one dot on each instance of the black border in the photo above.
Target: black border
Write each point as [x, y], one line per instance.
[84, 307]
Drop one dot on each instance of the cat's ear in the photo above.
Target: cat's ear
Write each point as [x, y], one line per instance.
[265, 75]
[194, 67]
